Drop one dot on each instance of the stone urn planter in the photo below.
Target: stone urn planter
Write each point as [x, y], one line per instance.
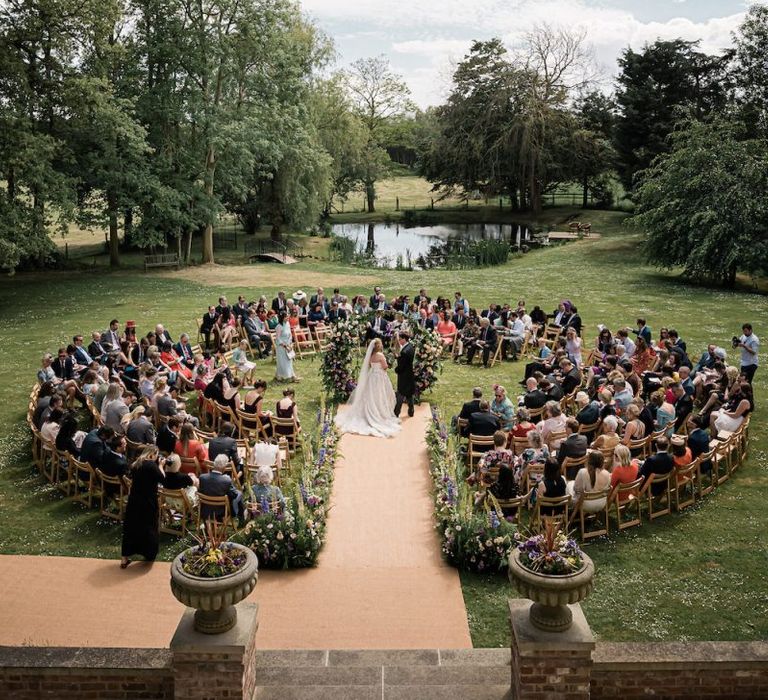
[551, 594]
[214, 599]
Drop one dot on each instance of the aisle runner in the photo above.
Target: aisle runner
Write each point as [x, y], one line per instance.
[380, 583]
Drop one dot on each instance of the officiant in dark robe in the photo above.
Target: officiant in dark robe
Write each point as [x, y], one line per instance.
[406, 381]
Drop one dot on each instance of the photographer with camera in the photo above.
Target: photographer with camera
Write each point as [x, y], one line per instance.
[749, 344]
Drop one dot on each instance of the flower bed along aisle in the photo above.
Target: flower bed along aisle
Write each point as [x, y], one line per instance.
[474, 538]
[291, 537]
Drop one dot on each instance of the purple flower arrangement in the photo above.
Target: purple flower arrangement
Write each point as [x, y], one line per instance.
[552, 552]
[338, 368]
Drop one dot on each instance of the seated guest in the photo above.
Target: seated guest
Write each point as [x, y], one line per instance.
[607, 407]
[140, 429]
[591, 478]
[622, 337]
[114, 410]
[253, 403]
[225, 444]
[242, 363]
[552, 485]
[95, 446]
[377, 327]
[183, 350]
[665, 413]
[681, 454]
[624, 469]
[258, 333]
[168, 435]
[634, 428]
[114, 462]
[698, 437]
[552, 389]
[446, 329]
[216, 483]
[534, 397]
[523, 424]
[739, 405]
[608, 437]
[44, 396]
[554, 422]
[502, 407]
[536, 452]
[96, 349]
[287, 408]
[207, 324]
[68, 437]
[90, 383]
[176, 480]
[659, 463]
[264, 491]
[61, 375]
[483, 422]
[622, 393]
[486, 342]
[189, 446]
[574, 446]
[589, 411]
[570, 376]
[470, 407]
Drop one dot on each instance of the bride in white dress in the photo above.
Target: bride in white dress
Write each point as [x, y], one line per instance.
[370, 409]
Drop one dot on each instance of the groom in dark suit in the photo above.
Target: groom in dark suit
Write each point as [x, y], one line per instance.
[406, 381]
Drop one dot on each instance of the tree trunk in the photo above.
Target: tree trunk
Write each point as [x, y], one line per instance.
[128, 225]
[114, 250]
[370, 195]
[188, 254]
[210, 171]
[370, 244]
[730, 277]
[11, 184]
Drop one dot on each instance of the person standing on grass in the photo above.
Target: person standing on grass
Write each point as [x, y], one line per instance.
[749, 344]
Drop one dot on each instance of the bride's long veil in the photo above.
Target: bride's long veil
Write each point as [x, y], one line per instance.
[362, 379]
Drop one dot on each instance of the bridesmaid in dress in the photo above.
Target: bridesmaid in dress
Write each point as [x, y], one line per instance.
[284, 370]
[286, 408]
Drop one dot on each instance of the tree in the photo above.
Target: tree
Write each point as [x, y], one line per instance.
[378, 96]
[751, 69]
[704, 205]
[656, 88]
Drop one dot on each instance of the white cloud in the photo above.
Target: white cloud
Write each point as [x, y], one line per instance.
[432, 34]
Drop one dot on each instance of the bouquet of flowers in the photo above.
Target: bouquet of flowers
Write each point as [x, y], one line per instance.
[427, 357]
[552, 552]
[473, 538]
[338, 370]
[213, 556]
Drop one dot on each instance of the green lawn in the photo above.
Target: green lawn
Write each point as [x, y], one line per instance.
[696, 576]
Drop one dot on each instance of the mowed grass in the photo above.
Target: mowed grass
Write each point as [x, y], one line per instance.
[700, 575]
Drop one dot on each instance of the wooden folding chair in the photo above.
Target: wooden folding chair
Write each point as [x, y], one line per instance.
[190, 465]
[116, 495]
[288, 429]
[571, 463]
[249, 426]
[496, 356]
[623, 500]
[200, 336]
[514, 503]
[85, 483]
[532, 476]
[322, 333]
[473, 453]
[589, 429]
[562, 518]
[684, 487]
[536, 414]
[519, 445]
[641, 447]
[175, 511]
[660, 504]
[722, 459]
[598, 517]
[555, 438]
[304, 342]
[703, 473]
[219, 504]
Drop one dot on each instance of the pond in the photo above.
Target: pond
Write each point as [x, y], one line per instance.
[395, 245]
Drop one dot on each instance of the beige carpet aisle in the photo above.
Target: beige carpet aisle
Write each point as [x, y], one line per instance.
[380, 582]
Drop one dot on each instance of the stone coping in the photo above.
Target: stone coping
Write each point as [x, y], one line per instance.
[622, 656]
[92, 658]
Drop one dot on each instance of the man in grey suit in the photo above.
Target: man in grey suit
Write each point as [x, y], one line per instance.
[141, 430]
[216, 483]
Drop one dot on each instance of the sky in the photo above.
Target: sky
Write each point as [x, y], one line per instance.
[424, 38]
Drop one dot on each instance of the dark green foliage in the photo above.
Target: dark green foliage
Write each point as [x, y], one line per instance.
[704, 205]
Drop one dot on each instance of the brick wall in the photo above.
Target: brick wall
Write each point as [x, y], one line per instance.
[34, 673]
[734, 670]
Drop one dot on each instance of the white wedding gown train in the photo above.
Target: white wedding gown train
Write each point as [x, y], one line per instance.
[370, 409]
